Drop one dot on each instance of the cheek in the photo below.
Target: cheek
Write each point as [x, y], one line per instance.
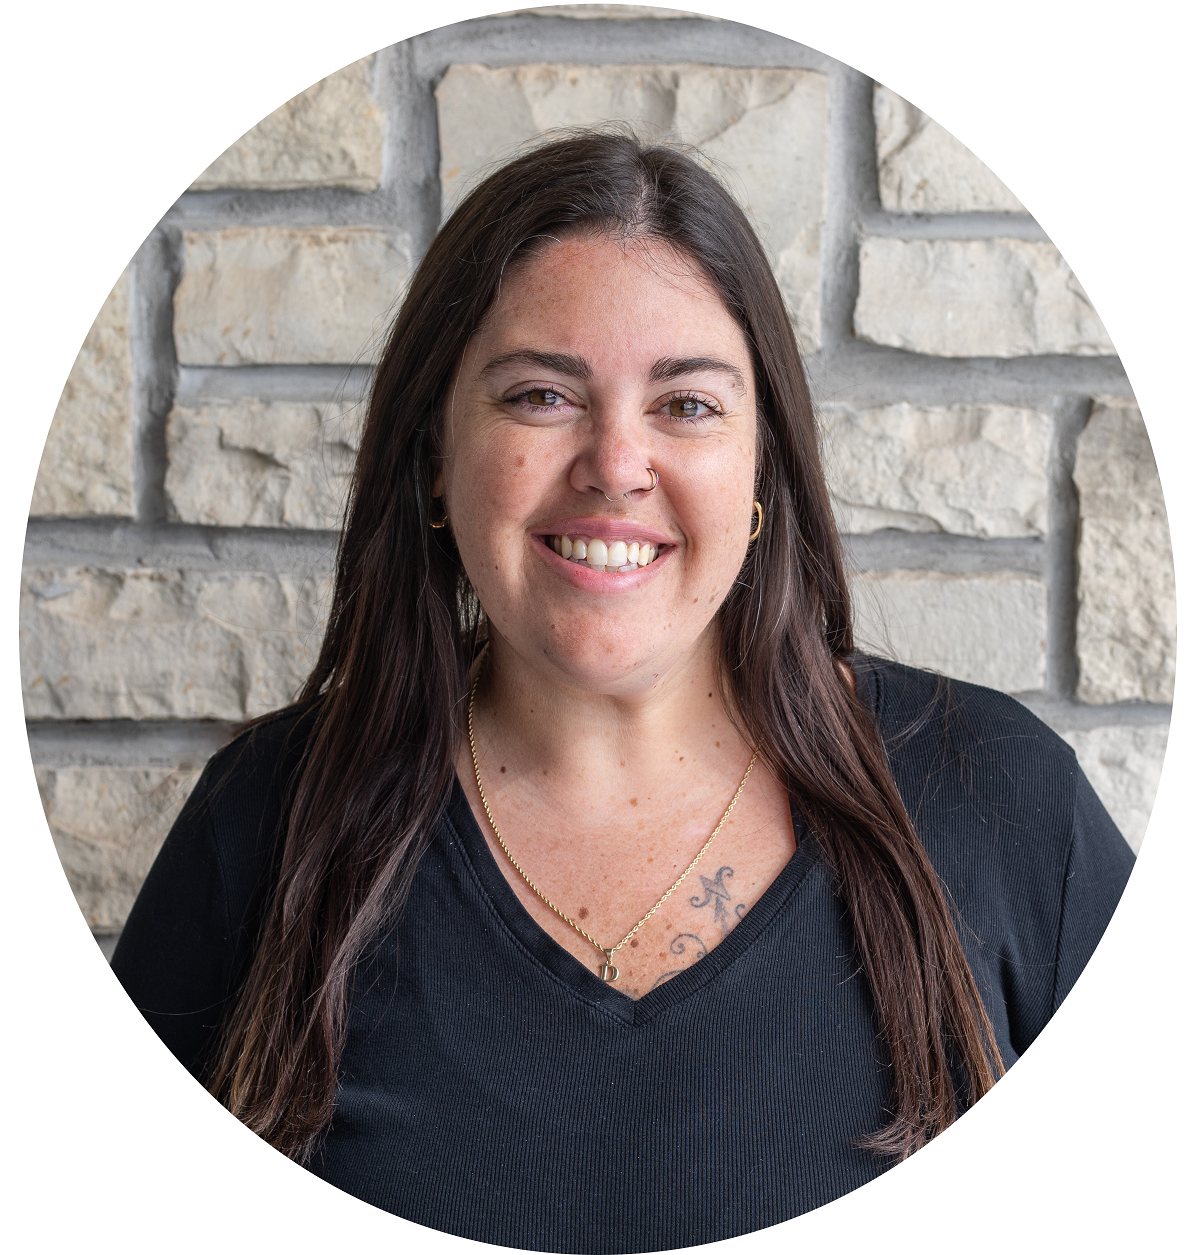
[492, 493]
[719, 504]
[492, 480]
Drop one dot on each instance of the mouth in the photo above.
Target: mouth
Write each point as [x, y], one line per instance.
[612, 556]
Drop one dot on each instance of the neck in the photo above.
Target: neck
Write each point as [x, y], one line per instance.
[574, 731]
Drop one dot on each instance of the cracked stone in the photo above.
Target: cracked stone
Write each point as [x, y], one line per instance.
[108, 824]
[87, 462]
[113, 643]
[973, 470]
[286, 294]
[328, 136]
[1123, 764]
[1125, 634]
[924, 169]
[974, 298]
[261, 463]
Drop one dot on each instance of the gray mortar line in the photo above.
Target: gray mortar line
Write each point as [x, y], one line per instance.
[295, 207]
[170, 743]
[1070, 716]
[956, 226]
[527, 40]
[895, 550]
[850, 189]
[864, 374]
[155, 274]
[1062, 542]
[416, 148]
[856, 373]
[54, 543]
[318, 384]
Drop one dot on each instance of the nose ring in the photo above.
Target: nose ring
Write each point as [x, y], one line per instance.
[653, 486]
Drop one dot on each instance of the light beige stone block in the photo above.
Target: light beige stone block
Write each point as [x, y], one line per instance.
[974, 298]
[1123, 765]
[108, 824]
[87, 462]
[1125, 631]
[286, 294]
[141, 644]
[924, 169]
[975, 470]
[987, 629]
[737, 117]
[331, 135]
[261, 463]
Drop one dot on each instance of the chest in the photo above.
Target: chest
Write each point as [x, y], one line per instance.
[639, 897]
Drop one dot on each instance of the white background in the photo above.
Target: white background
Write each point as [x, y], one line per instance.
[1085, 111]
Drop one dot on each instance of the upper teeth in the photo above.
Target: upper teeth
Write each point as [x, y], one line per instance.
[619, 556]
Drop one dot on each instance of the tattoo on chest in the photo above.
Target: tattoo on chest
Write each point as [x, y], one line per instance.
[716, 894]
[685, 943]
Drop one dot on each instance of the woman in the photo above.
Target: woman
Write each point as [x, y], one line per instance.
[596, 895]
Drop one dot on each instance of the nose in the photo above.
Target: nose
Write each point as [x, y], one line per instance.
[616, 458]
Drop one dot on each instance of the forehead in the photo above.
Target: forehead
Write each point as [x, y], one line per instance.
[596, 295]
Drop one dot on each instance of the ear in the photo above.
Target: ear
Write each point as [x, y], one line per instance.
[437, 488]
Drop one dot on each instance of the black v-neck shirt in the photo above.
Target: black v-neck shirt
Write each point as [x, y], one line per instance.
[494, 1087]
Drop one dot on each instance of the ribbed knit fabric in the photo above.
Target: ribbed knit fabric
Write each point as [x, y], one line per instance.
[493, 1087]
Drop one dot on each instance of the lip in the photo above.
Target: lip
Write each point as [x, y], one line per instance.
[583, 577]
[605, 529]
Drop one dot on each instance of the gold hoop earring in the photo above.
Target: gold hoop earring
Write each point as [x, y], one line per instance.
[754, 534]
[442, 521]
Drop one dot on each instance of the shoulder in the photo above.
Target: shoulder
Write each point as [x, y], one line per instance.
[190, 934]
[976, 769]
[262, 757]
[926, 721]
[244, 794]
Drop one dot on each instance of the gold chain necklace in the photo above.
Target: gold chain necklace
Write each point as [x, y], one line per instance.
[607, 971]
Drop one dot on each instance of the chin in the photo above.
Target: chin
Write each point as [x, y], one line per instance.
[599, 665]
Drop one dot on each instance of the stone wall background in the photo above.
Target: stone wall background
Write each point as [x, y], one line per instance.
[991, 473]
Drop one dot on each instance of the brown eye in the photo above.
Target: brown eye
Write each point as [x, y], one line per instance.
[684, 407]
[543, 397]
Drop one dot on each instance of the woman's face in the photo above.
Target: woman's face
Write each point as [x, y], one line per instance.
[599, 361]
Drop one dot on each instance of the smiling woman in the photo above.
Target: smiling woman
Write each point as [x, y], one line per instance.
[596, 893]
[637, 434]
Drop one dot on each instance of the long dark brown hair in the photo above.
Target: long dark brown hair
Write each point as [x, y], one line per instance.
[389, 687]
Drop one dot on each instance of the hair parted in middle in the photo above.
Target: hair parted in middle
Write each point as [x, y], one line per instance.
[388, 691]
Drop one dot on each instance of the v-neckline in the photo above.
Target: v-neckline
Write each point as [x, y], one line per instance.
[565, 968]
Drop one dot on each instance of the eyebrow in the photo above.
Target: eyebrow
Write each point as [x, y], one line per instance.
[560, 363]
[574, 367]
[672, 367]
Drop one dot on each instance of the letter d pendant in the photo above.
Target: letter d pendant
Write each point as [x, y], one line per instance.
[608, 973]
